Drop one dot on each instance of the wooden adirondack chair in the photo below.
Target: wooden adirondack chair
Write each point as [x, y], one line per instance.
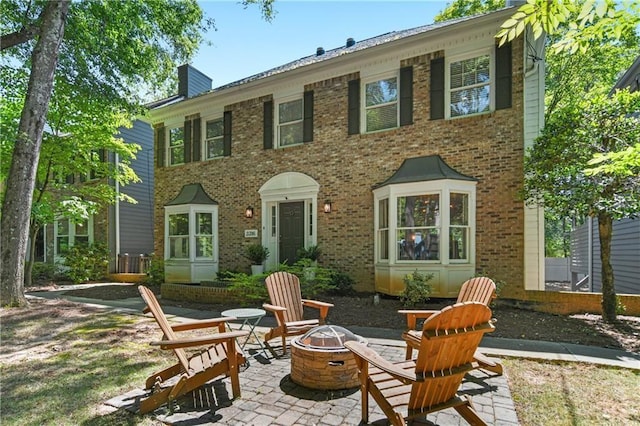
[287, 306]
[415, 388]
[478, 289]
[220, 358]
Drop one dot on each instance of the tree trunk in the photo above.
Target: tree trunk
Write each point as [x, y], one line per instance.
[28, 268]
[609, 302]
[16, 208]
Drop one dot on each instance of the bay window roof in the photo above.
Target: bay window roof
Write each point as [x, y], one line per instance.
[420, 169]
[192, 193]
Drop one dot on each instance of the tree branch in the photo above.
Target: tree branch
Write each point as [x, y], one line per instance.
[19, 37]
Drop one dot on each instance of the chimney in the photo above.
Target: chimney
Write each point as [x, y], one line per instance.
[350, 42]
[320, 51]
[192, 82]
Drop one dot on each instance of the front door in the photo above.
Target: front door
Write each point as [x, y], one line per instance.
[291, 225]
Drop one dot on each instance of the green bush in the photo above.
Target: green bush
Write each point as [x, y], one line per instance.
[342, 283]
[87, 262]
[43, 271]
[252, 287]
[312, 252]
[416, 288]
[155, 274]
[314, 279]
[256, 253]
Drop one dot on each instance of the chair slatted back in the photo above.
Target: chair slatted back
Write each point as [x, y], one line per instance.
[284, 290]
[448, 343]
[154, 307]
[478, 289]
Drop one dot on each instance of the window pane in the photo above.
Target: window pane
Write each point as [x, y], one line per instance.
[418, 244]
[419, 210]
[384, 117]
[176, 136]
[80, 241]
[384, 244]
[179, 224]
[204, 246]
[291, 134]
[383, 213]
[63, 227]
[381, 92]
[82, 228]
[204, 223]
[215, 128]
[177, 155]
[459, 209]
[290, 111]
[179, 247]
[470, 101]
[62, 244]
[215, 148]
[458, 241]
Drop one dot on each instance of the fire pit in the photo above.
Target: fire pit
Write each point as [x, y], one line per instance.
[319, 359]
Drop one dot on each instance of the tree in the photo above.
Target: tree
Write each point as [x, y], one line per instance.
[557, 176]
[461, 8]
[110, 50]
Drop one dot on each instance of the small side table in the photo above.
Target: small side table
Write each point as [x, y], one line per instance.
[251, 318]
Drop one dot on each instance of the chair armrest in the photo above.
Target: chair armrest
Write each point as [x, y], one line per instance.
[413, 315]
[277, 311]
[193, 325]
[323, 307]
[201, 341]
[369, 355]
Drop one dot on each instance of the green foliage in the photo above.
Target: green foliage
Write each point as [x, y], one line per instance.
[314, 279]
[312, 252]
[87, 262]
[155, 274]
[620, 308]
[416, 288]
[342, 283]
[461, 8]
[43, 271]
[251, 287]
[256, 253]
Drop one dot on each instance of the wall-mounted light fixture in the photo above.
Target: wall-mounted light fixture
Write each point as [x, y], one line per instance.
[248, 213]
[327, 206]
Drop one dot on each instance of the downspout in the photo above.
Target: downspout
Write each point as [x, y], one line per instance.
[590, 252]
[117, 215]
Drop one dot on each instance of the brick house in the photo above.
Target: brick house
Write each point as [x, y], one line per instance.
[396, 153]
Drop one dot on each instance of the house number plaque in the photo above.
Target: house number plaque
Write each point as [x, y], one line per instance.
[251, 233]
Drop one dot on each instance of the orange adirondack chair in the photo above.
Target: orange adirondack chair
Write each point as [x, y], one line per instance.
[287, 306]
[220, 358]
[414, 388]
[478, 289]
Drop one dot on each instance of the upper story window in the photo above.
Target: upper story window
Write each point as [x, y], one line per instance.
[290, 122]
[381, 104]
[68, 234]
[176, 146]
[214, 138]
[469, 85]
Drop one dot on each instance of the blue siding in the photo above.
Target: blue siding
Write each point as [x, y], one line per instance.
[136, 220]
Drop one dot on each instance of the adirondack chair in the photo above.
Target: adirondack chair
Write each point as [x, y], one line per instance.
[220, 358]
[414, 388]
[478, 289]
[287, 306]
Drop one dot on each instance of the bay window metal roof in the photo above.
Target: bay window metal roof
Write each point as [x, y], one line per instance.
[192, 193]
[427, 168]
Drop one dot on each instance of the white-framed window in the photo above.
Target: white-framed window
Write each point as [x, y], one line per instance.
[381, 110]
[290, 122]
[68, 234]
[469, 82]
[429, 222]
[191, 232]
[214, 138]
[175, 147]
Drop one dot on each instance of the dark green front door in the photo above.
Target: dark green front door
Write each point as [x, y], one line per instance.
[291, 231]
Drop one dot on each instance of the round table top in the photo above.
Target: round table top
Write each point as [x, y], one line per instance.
[244, 313]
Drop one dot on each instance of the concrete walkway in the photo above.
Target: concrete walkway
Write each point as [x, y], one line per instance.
[269, 397]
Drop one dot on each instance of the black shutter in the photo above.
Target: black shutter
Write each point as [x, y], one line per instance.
[406, 96]
[160, 134]
[227, 134]
[437, 89]
[354, 107]
[196, 142]
[186, 134]
[503, 76]
[307, 125]
[268, 125]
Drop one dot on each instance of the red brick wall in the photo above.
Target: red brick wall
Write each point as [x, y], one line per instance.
[488, 147]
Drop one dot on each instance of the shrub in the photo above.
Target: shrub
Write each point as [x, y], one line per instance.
[342, 283]
[43, 271]
[416, 288]
[256, 253]
[87, 262]
[251, 287]
[155, 274]
[312, 253]
[314, 279]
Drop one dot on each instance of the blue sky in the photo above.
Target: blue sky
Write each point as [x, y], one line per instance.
[245, 44]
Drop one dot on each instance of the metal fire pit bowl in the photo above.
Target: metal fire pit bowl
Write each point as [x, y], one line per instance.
[319, 359]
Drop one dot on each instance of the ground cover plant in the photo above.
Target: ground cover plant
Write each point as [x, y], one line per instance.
[60, 361]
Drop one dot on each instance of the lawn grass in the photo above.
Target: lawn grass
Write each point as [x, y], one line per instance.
[59, 362]
[547, 393]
